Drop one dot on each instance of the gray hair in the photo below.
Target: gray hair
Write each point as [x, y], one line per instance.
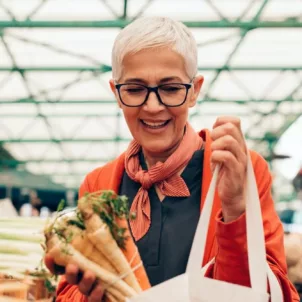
[149, 32]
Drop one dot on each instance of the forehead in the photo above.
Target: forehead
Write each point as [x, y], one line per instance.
[153, 64]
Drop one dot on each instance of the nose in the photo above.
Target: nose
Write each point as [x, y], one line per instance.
[153, 104]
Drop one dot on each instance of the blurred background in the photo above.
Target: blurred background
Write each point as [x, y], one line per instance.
[58, 117]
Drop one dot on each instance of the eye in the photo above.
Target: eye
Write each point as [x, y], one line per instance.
[171, 88]
[133, 89]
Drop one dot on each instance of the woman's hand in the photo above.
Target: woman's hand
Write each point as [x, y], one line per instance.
[229, 150]
[86, 282]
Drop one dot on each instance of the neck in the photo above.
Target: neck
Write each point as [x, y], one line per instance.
[152, 158]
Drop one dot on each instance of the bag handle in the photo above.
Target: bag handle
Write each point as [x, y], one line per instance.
[255, 233]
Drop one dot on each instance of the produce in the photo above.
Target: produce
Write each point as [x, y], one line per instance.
[23, 275]
[95, 236]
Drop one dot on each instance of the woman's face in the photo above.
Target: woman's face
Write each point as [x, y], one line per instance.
[153, 67]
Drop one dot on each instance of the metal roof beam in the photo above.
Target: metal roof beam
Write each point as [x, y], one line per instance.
[106, 102]
[243, 33]
[120, 23]
[125, 9]
[106, 68]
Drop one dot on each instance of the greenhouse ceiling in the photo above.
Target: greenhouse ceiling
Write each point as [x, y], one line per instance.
[58, 116]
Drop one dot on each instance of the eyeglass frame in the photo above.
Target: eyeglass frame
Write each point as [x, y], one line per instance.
[155, 90]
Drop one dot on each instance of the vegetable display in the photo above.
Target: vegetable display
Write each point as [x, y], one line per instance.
[23, 276]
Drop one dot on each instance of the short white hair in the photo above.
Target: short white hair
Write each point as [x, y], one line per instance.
[150, 32]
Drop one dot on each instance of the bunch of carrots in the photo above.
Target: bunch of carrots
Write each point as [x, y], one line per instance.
[96, 237]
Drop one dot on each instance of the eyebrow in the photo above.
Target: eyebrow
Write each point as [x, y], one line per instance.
[163, 80]
[169, 79]
[135, 80]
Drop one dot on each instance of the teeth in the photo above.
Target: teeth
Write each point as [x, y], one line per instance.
[154, 124]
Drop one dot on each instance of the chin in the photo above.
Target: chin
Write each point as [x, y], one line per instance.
[157, 147]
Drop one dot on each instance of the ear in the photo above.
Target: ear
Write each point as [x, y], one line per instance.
[113, 89]
[197, 84]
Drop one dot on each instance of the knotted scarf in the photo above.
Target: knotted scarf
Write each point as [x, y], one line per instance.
[165, 175]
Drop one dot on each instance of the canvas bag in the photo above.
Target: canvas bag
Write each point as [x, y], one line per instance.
[193, 286]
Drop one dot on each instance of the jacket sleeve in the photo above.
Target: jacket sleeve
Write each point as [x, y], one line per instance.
[69, 293]
[65, 291]
[231, 263]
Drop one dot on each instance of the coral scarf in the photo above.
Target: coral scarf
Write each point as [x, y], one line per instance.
[164, 175]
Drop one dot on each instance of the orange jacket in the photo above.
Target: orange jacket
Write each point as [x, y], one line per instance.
[226, 241]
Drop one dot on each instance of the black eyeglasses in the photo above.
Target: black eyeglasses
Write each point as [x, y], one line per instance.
[170, 95]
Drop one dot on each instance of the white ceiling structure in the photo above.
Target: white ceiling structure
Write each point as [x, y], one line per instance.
[58, 115]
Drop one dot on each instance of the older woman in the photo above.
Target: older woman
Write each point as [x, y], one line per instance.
[154, 64]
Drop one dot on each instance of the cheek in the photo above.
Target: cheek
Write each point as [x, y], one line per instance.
[180, 116]
[131, 116]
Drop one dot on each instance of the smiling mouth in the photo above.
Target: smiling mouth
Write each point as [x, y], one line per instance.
[155, 125]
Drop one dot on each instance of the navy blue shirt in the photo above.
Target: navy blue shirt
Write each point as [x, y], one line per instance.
[166, 246]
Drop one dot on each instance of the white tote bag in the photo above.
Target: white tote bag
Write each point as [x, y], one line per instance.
[193, 286]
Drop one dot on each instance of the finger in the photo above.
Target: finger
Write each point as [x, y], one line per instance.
[49, 262]
[229, 143]
[96, 294]
[87, 283]
[226, 158]
[228, 129]
[225, 129]
[52, 266]
[72, 274]
[227, 119]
